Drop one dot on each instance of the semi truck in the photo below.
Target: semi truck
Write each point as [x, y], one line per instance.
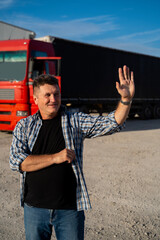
[86, 74]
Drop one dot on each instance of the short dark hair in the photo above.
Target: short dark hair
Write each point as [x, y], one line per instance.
[44, 79]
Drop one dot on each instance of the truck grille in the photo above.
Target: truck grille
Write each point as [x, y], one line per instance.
[5, 122]
[6, 94]
[5, 113]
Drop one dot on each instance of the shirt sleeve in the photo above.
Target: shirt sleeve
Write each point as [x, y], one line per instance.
[19, 147]
[93, 126]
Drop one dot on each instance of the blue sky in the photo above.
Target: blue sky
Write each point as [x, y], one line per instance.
[129, 25]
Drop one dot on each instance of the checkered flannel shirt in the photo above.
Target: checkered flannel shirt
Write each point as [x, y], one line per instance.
[76, 127]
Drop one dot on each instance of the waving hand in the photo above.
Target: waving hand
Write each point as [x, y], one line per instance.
[125, 87]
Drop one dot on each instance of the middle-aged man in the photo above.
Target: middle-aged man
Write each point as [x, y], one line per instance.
[47, 150]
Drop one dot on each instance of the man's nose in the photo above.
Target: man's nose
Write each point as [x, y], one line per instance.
[52, 98]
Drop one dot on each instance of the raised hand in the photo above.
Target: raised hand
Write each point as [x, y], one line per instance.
[125, 87]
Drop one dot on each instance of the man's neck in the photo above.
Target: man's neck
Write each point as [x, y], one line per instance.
[48, 117]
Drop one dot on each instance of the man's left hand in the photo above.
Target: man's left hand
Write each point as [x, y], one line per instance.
[126, 87]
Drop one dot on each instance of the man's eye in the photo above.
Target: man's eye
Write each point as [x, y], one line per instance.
[47, 95]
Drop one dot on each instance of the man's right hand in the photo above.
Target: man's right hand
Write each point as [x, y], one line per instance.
[66, 155]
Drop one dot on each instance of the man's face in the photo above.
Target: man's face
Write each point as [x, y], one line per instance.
[48, 99]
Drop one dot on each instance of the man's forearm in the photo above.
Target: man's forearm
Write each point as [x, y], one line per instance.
[122, 111]
[37, 162]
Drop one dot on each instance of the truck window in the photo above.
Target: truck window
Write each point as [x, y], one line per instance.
[39, 67]
[12, 65]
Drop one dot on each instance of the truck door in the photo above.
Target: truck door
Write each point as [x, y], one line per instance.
[38, 66]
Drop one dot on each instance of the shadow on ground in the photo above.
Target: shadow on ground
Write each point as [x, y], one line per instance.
[141, 125]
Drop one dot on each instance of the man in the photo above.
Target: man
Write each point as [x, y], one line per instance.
[47, 151]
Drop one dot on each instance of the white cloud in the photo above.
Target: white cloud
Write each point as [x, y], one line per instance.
[141, 42]
[5, 3]
[76, 28]
[85, 29]
[144, 37]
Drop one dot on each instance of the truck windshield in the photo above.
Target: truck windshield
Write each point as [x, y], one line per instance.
[12, 65]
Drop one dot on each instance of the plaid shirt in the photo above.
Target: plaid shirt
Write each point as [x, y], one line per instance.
[76, 127]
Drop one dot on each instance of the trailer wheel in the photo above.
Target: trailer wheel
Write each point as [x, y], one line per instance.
[156, 112]
[131, 115]
[147, 112]
[84, 109]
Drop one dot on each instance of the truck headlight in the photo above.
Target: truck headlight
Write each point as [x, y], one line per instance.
[22, 113]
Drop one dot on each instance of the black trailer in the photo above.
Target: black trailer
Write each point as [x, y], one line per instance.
[89, 74]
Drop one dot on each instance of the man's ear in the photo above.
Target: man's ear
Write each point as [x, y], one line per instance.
[35, 99]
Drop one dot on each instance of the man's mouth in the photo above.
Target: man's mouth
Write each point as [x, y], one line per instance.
[52, 105]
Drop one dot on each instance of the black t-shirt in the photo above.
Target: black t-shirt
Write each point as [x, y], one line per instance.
[53, 187]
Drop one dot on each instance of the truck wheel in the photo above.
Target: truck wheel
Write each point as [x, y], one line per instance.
[147, 112]
[84, 109]
[131, 115]
[156, 112]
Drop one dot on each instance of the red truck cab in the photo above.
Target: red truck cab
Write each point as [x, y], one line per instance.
[20, 62]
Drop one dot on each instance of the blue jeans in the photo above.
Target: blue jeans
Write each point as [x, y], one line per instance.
[68, 224]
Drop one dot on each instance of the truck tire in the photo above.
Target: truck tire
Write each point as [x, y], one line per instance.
[156, 111]
[147, 112]
[131, 115]
[84, 109]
